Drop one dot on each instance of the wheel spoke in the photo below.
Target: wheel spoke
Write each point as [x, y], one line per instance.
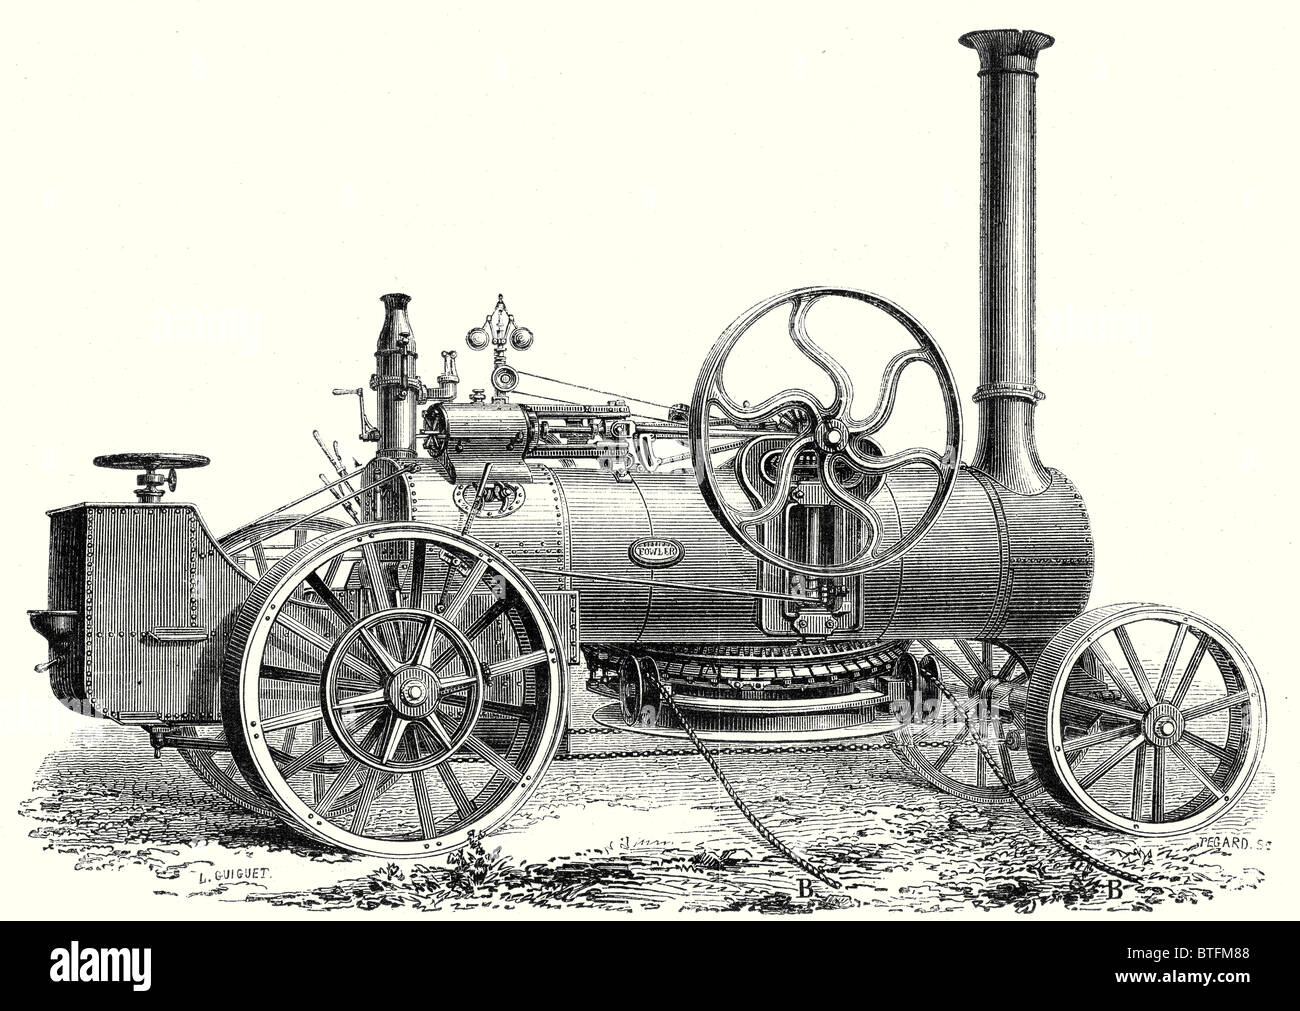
[948, 662]
[291, 720]
[476, 628]
[1206, 708]
[471, 580]
[1211, 749]
[314, 638]
[463, 806]
[778, 403]
[1181, 754]
[366, 700]
[1103, 659]
[492, 758]
[393, 737]
[330, 598]
[798, 330]
[1135, 665]
[508, 709]
[1139, 775]
[1095, 774]
[518, 663]
[1189, 672]
[977, 663]
[331, 796]
[259, 557]
[313, 678]
[424, 645]
[332, 569]
[423, 805]
[387, 661]
[1158, 786]
[947, 753]
[1102, 707]
[307, 635]
[318, 751]
[1171, 659]
[379, 588]
[1007, 667]
[419, 556]
[1092, 740]
[439, 731]
[313, 754]
[893, 461]
[859, 508]
[369, 786]
[981, 768]
[317, 780]
[353, 768]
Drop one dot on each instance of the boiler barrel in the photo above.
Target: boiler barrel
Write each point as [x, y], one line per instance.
[996, 565]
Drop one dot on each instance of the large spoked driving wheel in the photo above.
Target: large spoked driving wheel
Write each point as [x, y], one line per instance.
[1149, 719]
[254, 552]
[965, 734]
[437, 684]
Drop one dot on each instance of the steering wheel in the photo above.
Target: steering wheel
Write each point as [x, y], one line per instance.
[151, 461]
[828, 436]
[150, 484]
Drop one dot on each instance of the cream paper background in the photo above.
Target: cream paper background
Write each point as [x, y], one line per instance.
[203, 202]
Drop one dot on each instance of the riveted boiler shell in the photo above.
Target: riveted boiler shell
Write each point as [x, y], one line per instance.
[997, 565]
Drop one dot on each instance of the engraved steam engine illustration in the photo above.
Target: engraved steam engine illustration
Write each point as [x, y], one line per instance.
[385, 664]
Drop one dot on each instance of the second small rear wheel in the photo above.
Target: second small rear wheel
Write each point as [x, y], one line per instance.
[964, 733]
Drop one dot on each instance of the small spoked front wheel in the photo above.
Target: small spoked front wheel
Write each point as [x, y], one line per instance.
[1149, 719]
[419, 700]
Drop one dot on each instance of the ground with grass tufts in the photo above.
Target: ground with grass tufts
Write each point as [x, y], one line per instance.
[649, 832]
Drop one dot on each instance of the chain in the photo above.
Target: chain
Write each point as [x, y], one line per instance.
[815, 749]
[768, 749]
[1052, 833]
[766, 834]
[710, 756]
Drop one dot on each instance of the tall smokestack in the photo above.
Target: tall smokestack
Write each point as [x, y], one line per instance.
[1006, 449]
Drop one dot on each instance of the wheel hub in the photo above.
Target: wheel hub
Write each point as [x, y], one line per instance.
[443, 695]
[413, 692]
[831, 435]
[1163, 724]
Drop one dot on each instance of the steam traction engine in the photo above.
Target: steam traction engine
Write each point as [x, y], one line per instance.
[391, 671]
